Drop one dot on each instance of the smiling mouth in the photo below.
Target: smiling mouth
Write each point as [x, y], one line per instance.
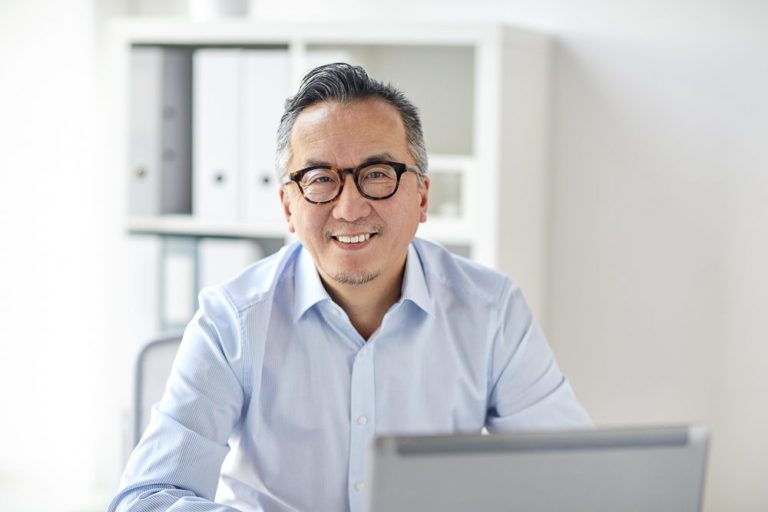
[362, 236]
[353, 239]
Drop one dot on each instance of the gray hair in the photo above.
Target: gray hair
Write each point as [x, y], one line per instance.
[345, 83]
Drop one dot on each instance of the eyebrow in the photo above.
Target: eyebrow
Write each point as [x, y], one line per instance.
[372, 158]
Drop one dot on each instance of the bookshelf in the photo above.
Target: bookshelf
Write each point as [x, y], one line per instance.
[482, 89]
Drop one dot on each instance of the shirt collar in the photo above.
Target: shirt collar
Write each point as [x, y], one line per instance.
[310, 290]
[414, 283]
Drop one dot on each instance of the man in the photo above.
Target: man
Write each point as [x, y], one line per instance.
[288, 371]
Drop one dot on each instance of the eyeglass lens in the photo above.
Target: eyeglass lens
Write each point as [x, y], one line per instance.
[377, 181]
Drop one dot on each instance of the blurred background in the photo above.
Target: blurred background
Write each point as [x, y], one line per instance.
[656, 271]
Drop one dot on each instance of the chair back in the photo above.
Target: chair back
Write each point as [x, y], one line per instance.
[152, 368]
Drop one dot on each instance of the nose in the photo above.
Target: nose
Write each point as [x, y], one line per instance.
[351, 206]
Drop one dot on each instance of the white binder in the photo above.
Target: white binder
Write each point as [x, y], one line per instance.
[266, 85]
[220, 259]
[217, 135]
[144, 143]
[160, 133]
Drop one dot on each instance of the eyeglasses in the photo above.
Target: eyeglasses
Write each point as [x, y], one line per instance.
[321, 184]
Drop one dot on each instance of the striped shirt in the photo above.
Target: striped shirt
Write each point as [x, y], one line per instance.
[274, 397]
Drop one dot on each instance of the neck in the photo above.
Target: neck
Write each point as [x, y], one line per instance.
[366, 304]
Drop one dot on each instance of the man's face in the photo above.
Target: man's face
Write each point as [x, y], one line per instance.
[354, 240]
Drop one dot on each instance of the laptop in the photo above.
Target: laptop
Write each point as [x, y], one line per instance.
[658, 469]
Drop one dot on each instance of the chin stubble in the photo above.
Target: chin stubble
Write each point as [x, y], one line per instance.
[344, 278]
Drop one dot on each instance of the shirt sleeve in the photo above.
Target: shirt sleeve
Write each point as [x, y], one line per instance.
[176, 465]
[528, 390]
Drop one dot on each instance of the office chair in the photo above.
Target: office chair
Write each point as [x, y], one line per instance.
[152, 367]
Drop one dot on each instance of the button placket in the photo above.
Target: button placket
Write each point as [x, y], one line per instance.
[362, 394]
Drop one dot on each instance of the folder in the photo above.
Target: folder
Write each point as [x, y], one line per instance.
[160, 131]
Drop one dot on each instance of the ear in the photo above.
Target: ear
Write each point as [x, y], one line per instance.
[423, 199]
[285, 200]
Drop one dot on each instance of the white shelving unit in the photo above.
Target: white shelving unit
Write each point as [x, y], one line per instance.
[483, 92]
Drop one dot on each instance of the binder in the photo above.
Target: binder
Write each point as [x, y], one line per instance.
[217, 137]
[160, 131]
[178, 281]
[220, 259]
[176, 134]
[266, 85]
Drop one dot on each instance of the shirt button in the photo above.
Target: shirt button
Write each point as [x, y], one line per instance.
[362, 420]
[359, 485]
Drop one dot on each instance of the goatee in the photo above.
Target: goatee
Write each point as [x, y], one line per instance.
[354, 279]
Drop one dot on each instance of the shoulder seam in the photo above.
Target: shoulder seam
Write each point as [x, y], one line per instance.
[258, 298]
[474, 291]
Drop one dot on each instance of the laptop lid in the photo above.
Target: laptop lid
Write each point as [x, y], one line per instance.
[658, 469]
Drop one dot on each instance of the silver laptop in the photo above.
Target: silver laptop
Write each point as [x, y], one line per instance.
[658, 469]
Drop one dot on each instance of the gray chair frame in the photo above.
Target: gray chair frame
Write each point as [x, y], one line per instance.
[140, 375]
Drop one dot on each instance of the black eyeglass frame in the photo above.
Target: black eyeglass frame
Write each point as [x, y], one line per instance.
[399, 167]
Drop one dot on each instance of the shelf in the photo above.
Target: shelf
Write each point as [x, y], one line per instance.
[246, 32]
[186, 225]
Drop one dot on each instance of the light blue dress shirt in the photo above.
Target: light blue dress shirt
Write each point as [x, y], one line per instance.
[274, 397]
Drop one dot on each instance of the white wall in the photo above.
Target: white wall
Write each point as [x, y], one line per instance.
[54, 256]
[660, 235]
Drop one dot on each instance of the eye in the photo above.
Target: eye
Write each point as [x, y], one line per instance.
[319, 177]
[378, 173]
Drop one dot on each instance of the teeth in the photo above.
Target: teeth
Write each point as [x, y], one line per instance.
[354, 239]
